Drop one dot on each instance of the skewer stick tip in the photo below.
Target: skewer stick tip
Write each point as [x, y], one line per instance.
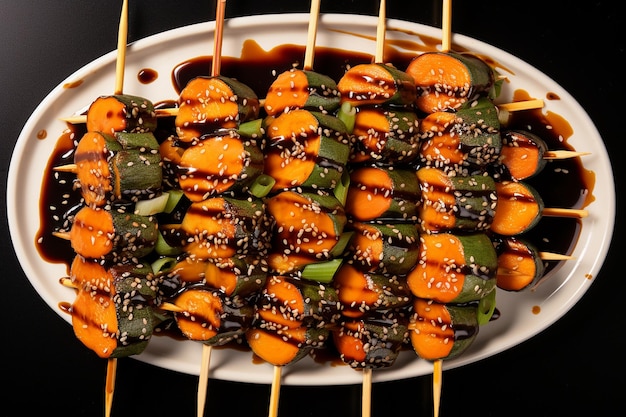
[110, 385]
[122, 39]
[564, 212]
[203, 379]
[311, 35]
[380, 33]
[366, 396]
[275, 393]
[437, 383]
[446, 26]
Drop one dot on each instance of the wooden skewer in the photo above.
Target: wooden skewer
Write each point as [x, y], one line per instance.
[380, 33]
[110, 384]
[81, 118]
[203, 380]
[437, 384]
[563, 154]
[521, 105]
[173, 111]
[219, 30]
[311, 35]
[551, 256]
[366, 396]
[275, 392]
[446, 26]
[207, 349]
[122, 40]
[565, 212]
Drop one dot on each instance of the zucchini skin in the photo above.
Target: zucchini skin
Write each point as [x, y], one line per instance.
[397, 142]
[522, 250]
[360, 292]
[454, 330]
[327, 165]
[403, 195]
[478, 269]
[481, 82]
[136, 299]
[399, 92]
[135, 236]
[470, 201]
[399, 243]
[377, 337]
[472, 133]
[138, 114]
[205, 226]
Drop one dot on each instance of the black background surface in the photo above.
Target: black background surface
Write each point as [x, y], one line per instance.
[575, 367]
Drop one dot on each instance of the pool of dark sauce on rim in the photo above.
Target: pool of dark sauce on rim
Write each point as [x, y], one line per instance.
[563, 183]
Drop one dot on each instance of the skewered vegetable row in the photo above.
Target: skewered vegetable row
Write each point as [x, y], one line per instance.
[118, 295]
[381, 204]
[222, 232]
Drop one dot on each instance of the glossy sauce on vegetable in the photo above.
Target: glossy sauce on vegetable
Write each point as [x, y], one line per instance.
[562, 183]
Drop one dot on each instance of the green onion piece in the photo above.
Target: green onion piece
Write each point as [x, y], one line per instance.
[163, 248]
[486, 307]
[321, 271]
[152, 206]
[341, 190]
[347, 114]
[262, 185]
[163, 264]
[172, 201]
[341, 244]
[251, 129]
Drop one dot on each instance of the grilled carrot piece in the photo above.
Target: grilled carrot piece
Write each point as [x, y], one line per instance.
[301, 89]
[307, 228]
[208, 104]
[466, 140]
[519, 263]
[114, 167]
[522, 154]
[442, 331]
[454, 268]
[93, 172]
[114, 314]
[359, 292]
[211, 317]
[519, 208]
[377, 192]
[121, 113]
[447, 80]
[306, 149]
[291, 302]
[221, 227]
[102, 234]
[386, 135]
[376, 84]
[281, 347]
[219, 163]
[455, 202]
[292, 318]
[383, 248]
